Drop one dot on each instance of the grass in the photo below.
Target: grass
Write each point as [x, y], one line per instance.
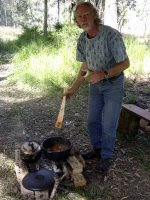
[7, 176]
[139, 55]
[50, 63]
[130, 98]
[90, 192]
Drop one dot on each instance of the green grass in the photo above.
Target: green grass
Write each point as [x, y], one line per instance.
[50, 64]
[91, 192]
[130, 98]
[139, 55]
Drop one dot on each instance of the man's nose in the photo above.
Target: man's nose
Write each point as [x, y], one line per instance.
[84, 18]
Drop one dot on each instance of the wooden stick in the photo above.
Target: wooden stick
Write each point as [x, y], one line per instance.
[57, 181]
[61, 113]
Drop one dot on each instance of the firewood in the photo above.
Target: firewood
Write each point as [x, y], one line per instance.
[79, 180]
[27, 193]
[41, 195]
[80, 159]
[57, 182]
[20, 167]
[76, 166]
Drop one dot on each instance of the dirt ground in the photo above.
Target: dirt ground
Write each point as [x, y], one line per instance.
[25, 114]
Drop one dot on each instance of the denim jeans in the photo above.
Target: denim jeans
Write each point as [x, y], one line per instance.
[105, 99]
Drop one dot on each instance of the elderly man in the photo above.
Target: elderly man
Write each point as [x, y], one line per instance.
[101, 50]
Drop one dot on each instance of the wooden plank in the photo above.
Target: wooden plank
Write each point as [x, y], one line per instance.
[137, 111]
[61, 114]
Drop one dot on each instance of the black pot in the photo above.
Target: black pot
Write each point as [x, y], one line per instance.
[54, 155]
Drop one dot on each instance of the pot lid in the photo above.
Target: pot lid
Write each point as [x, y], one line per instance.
[30, 148]
[42, 179]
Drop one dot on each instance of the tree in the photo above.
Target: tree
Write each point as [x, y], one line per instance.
[122, 8]
[45, 17]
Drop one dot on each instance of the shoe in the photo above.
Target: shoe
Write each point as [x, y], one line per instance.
[94, 153]
[103, 165]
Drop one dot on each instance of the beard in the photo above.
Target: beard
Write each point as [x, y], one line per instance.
[86, 26]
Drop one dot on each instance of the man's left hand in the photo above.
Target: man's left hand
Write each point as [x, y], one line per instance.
[95, 77]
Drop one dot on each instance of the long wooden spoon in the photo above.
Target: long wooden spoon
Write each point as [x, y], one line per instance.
[61, 113]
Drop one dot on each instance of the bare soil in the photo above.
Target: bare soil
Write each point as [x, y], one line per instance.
[25, 114]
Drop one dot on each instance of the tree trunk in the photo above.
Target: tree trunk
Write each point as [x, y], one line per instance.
[45, 17]
[5, 14]
[58, 10]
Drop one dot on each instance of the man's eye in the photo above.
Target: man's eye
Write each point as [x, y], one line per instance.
[79, 17]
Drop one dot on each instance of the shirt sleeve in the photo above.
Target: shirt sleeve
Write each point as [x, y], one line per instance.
[80, 52]
[118, 48]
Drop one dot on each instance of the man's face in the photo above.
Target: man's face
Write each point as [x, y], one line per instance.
[84, 17]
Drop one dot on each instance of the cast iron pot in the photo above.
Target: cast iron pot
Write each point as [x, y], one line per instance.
[54, 155]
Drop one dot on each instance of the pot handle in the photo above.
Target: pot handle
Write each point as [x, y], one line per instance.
[61, 113]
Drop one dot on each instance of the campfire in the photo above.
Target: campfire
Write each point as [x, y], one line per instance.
[40, 169]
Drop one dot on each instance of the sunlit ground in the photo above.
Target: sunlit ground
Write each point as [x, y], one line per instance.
[9, 33]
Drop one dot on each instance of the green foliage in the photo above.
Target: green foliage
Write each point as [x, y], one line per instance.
[58, 26]
[46, 63]
[90, 192]
[138, 54]
[130, 98]
[49, 62]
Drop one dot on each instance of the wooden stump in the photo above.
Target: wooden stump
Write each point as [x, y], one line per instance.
[128, 123]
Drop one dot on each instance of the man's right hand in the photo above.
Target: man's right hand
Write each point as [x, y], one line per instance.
[69, 92]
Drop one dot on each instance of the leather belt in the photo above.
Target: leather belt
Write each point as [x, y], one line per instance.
[113, 78]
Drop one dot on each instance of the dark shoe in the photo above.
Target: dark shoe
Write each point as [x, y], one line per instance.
[94, 153]
[104, 165]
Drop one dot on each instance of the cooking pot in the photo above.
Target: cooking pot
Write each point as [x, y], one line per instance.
[30, 152]
[56, 148]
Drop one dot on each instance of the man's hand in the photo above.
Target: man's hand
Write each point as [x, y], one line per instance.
[69, 92]
[95, 77]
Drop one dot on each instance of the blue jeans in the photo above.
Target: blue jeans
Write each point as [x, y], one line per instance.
[105, 99]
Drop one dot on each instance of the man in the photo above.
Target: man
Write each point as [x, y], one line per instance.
[101, 50]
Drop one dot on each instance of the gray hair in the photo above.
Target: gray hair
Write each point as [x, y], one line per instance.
[91, 6]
